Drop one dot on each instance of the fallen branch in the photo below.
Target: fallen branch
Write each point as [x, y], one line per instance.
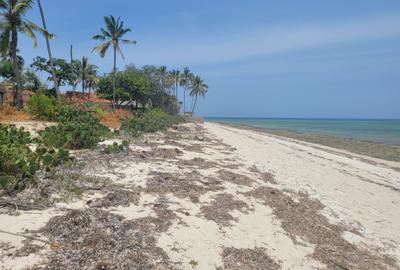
[19, 205]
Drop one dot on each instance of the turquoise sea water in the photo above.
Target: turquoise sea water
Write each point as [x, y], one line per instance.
[383, 131]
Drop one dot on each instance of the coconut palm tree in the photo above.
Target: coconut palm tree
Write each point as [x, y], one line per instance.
[92, 81]
[112, 36]
[163, 76]
[175, 75]
[197, 88]
[13, 22]
[86, 70]
[185, 81]
[53, 70]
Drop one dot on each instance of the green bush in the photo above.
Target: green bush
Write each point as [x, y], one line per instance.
[12, 135]
[71, 113]
[150, 121]
[77, 129]
[116, 148]
[72, 135]
[18, 162]
[44, 107]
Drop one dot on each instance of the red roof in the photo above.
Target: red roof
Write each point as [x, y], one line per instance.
[99, 100]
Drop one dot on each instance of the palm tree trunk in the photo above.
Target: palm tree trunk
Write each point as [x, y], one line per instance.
[83, 85]
[17, 75]
[114, 73]
[73, 71]
[194, 105]
[53, 70]
[191, 101]
[184, 99]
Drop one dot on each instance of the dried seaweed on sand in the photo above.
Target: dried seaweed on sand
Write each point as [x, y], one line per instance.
[218, 210]
[95, 239]
[305, 220]
[247, 259]
[188, 185]
[235, 178]
[116, 198]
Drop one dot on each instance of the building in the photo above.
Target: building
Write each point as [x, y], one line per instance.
[7, 95]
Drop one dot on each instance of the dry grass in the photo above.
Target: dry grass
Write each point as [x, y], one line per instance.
[10, 114]
[304, 219]
[114, 119]
[248, 259]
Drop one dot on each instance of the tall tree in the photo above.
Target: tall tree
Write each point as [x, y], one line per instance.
[185, 81]
[92, 81]
[112, 36]
[175, 74]
[86, 70]
[163, 76]
[197, 88]
[13, 22]
[61, 67]
[53, 70]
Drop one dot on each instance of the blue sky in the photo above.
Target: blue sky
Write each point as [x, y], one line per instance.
[335, 59]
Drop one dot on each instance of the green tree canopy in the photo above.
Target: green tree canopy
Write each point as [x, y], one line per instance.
[131, 85]
[62, 69]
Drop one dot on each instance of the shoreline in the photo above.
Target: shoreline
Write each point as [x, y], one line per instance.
[385, 151]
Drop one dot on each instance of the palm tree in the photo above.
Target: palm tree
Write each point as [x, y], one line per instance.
[112, 36]
[163, 76]
[85, 71]
[53, 70]
[197, 88]
[175, 74]
[12, 22]
[92, 81]
[185, 80]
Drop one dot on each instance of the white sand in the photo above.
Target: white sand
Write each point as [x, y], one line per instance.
[355, 192]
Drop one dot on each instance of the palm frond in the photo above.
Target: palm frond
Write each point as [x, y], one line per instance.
[105, 33]
[21, 7]
[102, 49]
[127, 41]
[28, 30]
[4, 43]
[36, 28]
[99, 37]
[120, 51]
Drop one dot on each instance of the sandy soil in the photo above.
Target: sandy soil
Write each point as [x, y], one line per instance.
[215, 197]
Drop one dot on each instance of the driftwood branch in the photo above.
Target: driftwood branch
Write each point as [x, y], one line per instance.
[19, 205]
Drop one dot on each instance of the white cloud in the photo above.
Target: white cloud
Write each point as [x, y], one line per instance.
[266, 40]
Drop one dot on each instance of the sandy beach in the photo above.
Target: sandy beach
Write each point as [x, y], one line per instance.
[209, 196]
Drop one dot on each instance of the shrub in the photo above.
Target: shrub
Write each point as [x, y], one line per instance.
[44, 107]
[150, 121]
[18, 162]
[72, 135]
[77, 129]
[70, 113]
[116, 147]
[10, 134]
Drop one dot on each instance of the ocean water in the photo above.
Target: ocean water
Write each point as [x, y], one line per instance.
[382, 131]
